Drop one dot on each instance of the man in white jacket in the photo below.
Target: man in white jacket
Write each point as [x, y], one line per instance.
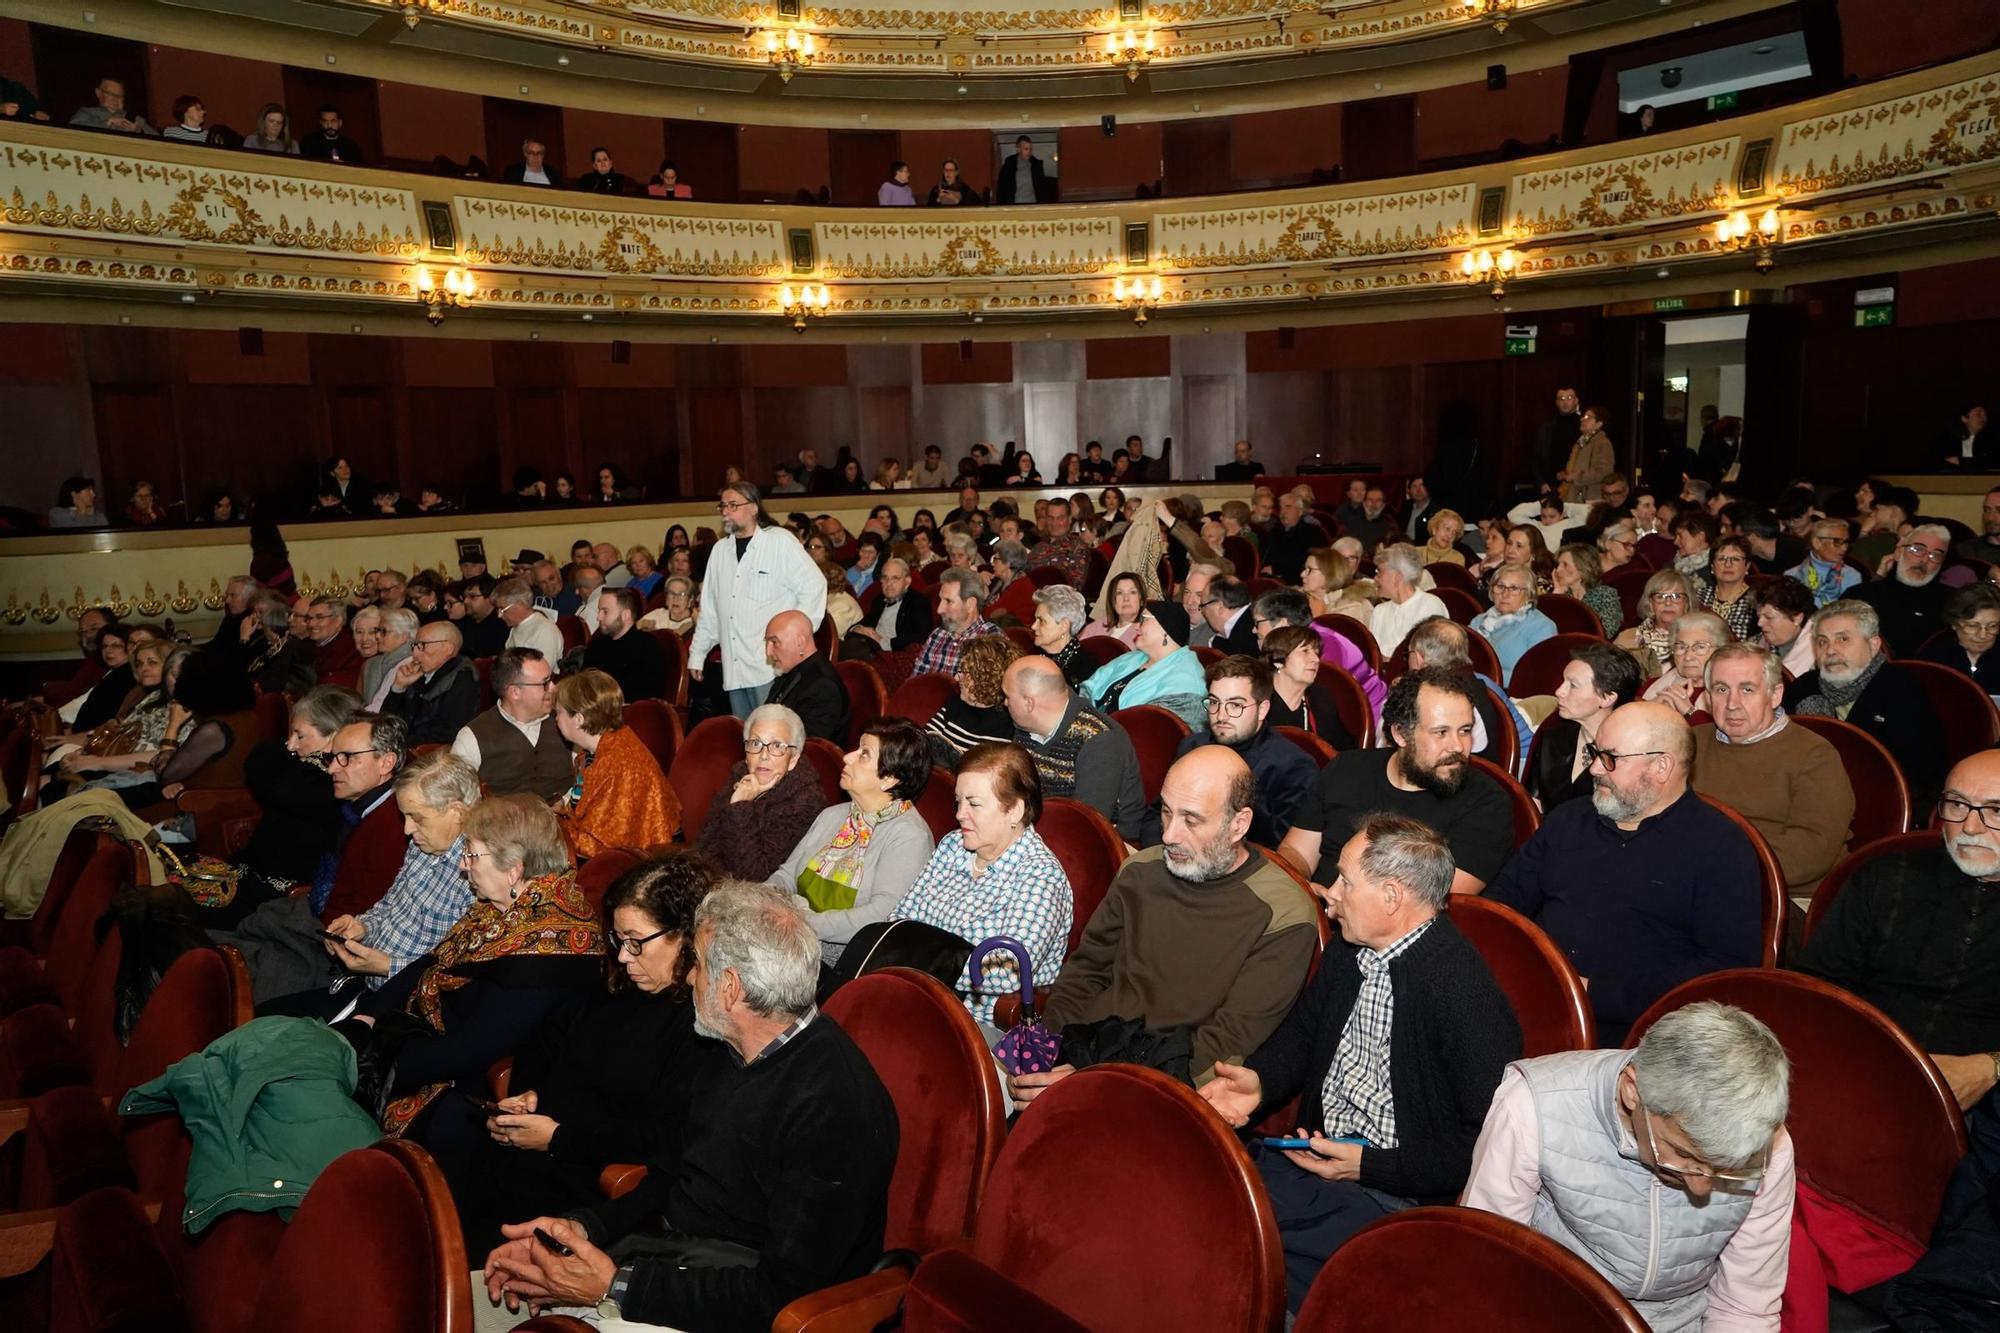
[754, 573]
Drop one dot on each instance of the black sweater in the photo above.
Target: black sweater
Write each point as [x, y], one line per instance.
[814, 690]
[1895, 711]
[789, 1156]
[636, 662]
[1454, 1034]
[301, 820]
[610, 1107]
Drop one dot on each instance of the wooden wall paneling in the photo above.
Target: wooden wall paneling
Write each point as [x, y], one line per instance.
[508, 122]
[232, 90]
[362, 427]
[422, 123]
[791, 418]
[882, 425]
[775, 162]
[249, 439]
[716, 436]
[1195, 156]
[1288, 413]
[858, 162]
[1878, 37]
[706, 155]
[307, 90]
[1107, 410]
[957, 416]
[453, 440]
[1275, 148]
[1095, 166]
[69, 63]
[17, 53]
[633, 431]
[636, 143]
[1378, 138]
[1468, 120]
[136, 438]
[926, 151]
[531, 422]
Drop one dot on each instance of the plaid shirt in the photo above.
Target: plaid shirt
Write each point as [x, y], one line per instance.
[941, 649]
[1357, 1095]
[1025, 894]
[792, 1029]
[429, 896]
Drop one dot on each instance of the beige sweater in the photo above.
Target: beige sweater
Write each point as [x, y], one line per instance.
[1792, 787]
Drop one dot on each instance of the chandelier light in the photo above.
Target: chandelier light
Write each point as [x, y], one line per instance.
[1492, 267]
[803, 303]
[453, 291]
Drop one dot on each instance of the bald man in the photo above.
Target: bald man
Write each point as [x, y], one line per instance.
[806, 682]
[1916, 935]
[1644, 886]
[1201, 932]
[1079, 752]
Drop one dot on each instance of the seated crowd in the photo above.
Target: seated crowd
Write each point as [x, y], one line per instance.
[1311, 730]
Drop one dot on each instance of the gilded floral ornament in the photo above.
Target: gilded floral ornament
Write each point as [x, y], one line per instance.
[213, 600]
[183, 601]
[15, 613]
[150, 603]
[47, 612]
[200, 206]
[626, 249]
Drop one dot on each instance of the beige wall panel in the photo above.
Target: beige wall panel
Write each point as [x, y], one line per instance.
[1618, 191]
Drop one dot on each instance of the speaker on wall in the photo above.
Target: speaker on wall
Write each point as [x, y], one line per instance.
[621, 352]
[1496, 78]
[250, 342]
[1109, 124]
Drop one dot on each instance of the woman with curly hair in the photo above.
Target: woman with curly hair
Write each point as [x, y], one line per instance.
[977, 713]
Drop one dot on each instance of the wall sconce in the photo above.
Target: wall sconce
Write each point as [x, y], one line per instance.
[414, 10]
[1490, 266]
[1735, 233]
[1141, 296]
[802, 303]
[1496, 11]
[791, 51]
[454, 292]
[1131, 47]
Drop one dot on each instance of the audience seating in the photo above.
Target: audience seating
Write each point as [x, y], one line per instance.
[1540, 669]
[1460, 605]
[69, 919]
[1356, 633]
[1124, 1147]
[1508, 743]
[595, 876]
[1881, 793]
[1357, 713]
[484, 666]
[675, 652]
[1022, 637]
[1873, 1122]
[1570, 615]
[1443, 1270]
[1103, 649]
[1241, 554]
[1918, 840]
[1629, 582]
[826, 759]
[1548, 997]
[658, 727]
[920, 697]
[1156, 735]
[21, 978]
[938, 803]
[701, 769]
[867, 700]
[224, 817]
[1477, 650]
[1526, 817]
[1445, 574]
[1043, 576]
[1971, 722]
[1090, 851]
[1314, 745]
[574, 634]
[1774, 879]
[826, 640]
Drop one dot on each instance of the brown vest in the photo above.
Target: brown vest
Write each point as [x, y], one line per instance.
[508, 764]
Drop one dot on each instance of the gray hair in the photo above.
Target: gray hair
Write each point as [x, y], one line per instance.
[761, 934]
[1708, 622]
[1624, 527]
[1404, 558]
[749, 492]
[330, 603]
[245, 581]
[795, 727]
[687, 584]
[1774, 670]
[440, 779]
[1410, 853]
[387, 734]
[1525, 573]
[1937, 530]
[370, 614]
[511, 592]
[898, 562]
[1065, 605]
[401, 621]
[1668, 578]
[1015, 554]
[967, 583]
[273, 613]
[1864, 616]
[1719, 1073]
[960, 543]
[1696, 490]
[326, 708]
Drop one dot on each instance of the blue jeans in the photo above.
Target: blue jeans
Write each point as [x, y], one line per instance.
[1315, 1217]
[747, 700]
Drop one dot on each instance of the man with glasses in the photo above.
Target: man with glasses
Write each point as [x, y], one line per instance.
[336, 658]
[1238, 704]
[1645, 885]
[1578, 1145]
[1226, 612]
[1914, 933]
[513, 745]
[514, 604]
[485, 632]
[1825, 570]
[1854, 680]
[394, 632]
[435, 690]
[959, 599]
[1910, 603]
[754, 572]
[896, 621]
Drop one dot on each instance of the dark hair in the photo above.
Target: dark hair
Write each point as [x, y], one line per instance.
[211, 685]
[1111, 597]
[1969, 601]
[1400, 711]
[1752, 520]
[1024, 139]
[1280, 606]
[874, 539]
[184, 104]
[1245, 667]
[1787, 595]
[625, 597]
[1612, 670]
[600, 148]
[896, 166]
[1014, 775]
[326, 107]
[666, 165]
[1231, 591]
[1902, 497]
[1695, 519]
[483, 584]
[1738, 542]
[1285, 640]
[66, 493]
[265, 539]
[387, 733]
[668, 888]
[426, 580]
[903, 756]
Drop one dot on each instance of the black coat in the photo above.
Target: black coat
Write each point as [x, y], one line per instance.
[814, 690]
[438, 707]
[913, 622]
[1909, 616]
[1549, 781]
[1894, 710]
[301, 819]
[1003, 183]
[513, 174]
[1558, 436]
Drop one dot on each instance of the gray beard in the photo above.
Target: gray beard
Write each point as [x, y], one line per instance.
[1607, 802]
[1929, 578]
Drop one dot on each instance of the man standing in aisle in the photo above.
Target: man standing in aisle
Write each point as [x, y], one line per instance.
[755, 572]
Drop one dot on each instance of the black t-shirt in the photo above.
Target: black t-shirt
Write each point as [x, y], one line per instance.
[742, 545]
[1478, 822]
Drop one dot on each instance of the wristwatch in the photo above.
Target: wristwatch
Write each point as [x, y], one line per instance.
[613, 1304]
[1994, 1056]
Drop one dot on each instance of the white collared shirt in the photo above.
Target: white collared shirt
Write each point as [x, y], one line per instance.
[466, 745]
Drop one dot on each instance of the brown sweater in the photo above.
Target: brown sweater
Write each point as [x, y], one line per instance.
[1792, 787]
[1227, 958]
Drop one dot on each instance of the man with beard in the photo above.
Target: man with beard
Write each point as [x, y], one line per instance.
[1854, 682]
[1376, 524]
[754, 572]
[1986, 546]
[1915, 934]
[1239, 703]
[1428, 777]
[1646, 885]
[1910, 603]
[1200, 932]
[1286, 545]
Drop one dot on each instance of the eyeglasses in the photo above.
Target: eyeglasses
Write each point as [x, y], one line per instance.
[1509, 587]
[340, 758]
[1743, 1176]
[545, 683]
[1226, 707]
[1977, 629]
[727, 505]
[1928, 554]
[633, 944]
[1954, 810]
[778, 748]
[1727, 560]
[1829, 541]
[1592, 754]
[1670, 597]
[467, 857]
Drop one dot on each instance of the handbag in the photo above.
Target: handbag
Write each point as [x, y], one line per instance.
[917, 944]
[1030, 1048]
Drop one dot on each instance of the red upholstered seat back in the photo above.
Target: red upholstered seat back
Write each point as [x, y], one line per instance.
[1882, 794]
[78, 850]
[595, 877]
[1313, 745]
[1540, 669]
[1240, 553]
[1774, 879]
[1447, 575]
[701, 767]
[73, 936]
[1357, 714]
[574, 634]
[135, 1292]
[1629, 582]
[1446, 1270]
[1971, 723]
[1526, 818]
[675, 650]
[1156, 736]
[1836, 879]
[1162, 1224]
[939, 803]
[1356, 633]
[826, 759]
[1571, 616]
[1872, 1120]
[1459, 604]
[1484, 660]
[17, 751]
[920, 697]
[274, 718]
[658, 727]
[866, 697]
[1103, 649]
[1090, 851]
[950, 1113]
[1548, 997]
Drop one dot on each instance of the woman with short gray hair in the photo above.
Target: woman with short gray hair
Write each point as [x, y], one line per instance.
[1060, 617]
[769, 800]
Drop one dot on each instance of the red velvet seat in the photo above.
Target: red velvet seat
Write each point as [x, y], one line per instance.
[1917, 840]
[1447, 575]
[595, 877]
[675, 651]
[826, 759]
[1971, 722]
[938, 803]
[1090, 851]
[1629, 582]
[1484, 660]
[71, 929]
[1449, 1270]
[1103, 649]
[1043, 576]
[1208, 656]
[484, 666]
[1242, 555]
[574, 634]
[1540, 669]
[1882, 794]
[826, 640]
[1571, 615]
[224, 817]
[1314, 746]
[1460, 605]
[17, 770]
[920, 697]
[701, 769]
[1156, 736]
[1526, 817]
[1872, 1120]
[658, 726]
[1022, 637]
[867, 700]
[1131, 1154]
[1541, 984]
[1774, 880]
[1357, 712]
[22, 981]
[1356, 633]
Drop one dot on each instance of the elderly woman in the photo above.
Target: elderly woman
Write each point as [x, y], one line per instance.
[1729, 596]
[366, 627]
[102, 702]
[977, 714]
[1060, 617]
[858, 860]
[770, 801]
[1578, 573]
[1667, 597]
[841, 607]
[1973, 615]
[1297, 697]
[1696, 637]
[1126, 599]
[1446, 530]
[1619, 542]
[1598, 679]
[679, 611]
[646, 575]
[621, 798]
[993, 875]
[128, 740]
[577, 1099]
[1161, 669]
[1328, 580]
[527, 946]
[1512, 624]
[1784, 611]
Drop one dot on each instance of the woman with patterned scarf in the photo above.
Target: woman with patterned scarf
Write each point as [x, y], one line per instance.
[528, 944]
[858, 860]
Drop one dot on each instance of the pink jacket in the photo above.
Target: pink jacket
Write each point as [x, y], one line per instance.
[1337, 650]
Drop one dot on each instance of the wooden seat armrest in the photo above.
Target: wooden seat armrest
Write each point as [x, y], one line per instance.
[851, 1307]
[14, 1115]
[620, 1179]
[26, 1238]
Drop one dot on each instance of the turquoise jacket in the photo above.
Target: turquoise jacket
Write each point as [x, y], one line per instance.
[1176, 683]
[268, 1106]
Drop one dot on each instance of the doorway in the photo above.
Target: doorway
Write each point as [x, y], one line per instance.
[1703, 383]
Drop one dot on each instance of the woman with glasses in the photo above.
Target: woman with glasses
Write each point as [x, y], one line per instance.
[121, 752]
[677, 611]
[216, 708]
[1598, 679]
[858, 860]
[1973, 616]
[1512, 624]
[1681, 686]
[769, 801]
[977, 714]
[1161, 669]
[1525, 545]
[621, 799]
[605, 1080]
[101, 703]
[1297, 697]
[1667, 597]
[1579, 573]
[1619, 543]
[1328, 580]
[1729, 597]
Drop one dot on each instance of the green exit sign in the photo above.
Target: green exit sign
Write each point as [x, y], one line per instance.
[1874, 317]
[1520, 347]
[1722, 102]
[1662, 304]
